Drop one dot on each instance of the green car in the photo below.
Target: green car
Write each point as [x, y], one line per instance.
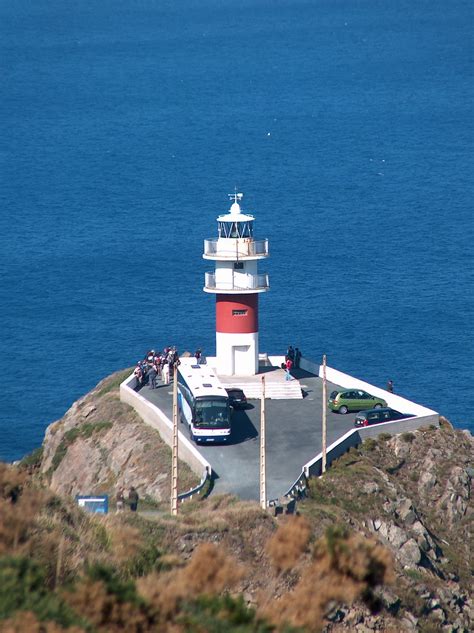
[354, 400]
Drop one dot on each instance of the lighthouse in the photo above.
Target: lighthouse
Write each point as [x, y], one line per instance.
[237, 284]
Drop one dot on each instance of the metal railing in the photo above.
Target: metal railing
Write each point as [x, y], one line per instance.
[243, 248]
[239, 282]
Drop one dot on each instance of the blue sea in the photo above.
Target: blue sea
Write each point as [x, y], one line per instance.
[346, 123]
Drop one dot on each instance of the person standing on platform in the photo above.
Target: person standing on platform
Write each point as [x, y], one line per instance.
[138, 376]
[165, 372]
[289, 365]
[297, 358]
[152, 377]
[133, 499]
[197, 356]
[390, 386]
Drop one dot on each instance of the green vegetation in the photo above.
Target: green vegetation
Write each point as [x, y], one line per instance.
[414, 574]
[221, 614]
[85, 430]
[33, 459]
[369, 444]
[24, 588]
[113, 382]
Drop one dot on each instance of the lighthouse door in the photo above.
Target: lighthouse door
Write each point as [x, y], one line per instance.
[240, 354]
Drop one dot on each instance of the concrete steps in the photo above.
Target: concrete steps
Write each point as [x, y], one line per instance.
[279, 389]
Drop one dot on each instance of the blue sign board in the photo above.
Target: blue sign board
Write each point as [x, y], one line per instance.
[98, 504]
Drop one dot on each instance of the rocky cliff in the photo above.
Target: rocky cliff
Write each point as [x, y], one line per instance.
[101, 445]
[412, 492]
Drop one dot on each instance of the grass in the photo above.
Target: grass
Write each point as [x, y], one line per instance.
[369, 444]
[58, 456]
[331, 497]
[340, 468]
[319, 512]
[84, 430]
[33, 459]
[113, 382]
[415, 575]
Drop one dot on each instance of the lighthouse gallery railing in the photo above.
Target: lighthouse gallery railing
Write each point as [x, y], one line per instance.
[242, 248]
[240, 282]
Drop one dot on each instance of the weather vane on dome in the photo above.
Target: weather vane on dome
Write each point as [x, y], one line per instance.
[236, 197]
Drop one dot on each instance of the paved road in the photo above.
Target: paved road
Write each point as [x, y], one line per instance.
[293, 438]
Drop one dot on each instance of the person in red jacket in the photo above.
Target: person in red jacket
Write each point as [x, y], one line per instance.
[289, 365]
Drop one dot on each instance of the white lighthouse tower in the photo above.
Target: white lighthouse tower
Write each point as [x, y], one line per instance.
[236, 283]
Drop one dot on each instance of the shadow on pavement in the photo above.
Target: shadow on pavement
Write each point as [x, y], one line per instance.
[265, 369]
[242, 428]
[299, 374]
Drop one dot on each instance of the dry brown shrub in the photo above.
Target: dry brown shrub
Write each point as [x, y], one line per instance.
[21, 622]
[210, 570]
[19, 505]
[27, 622]
[220, 502]
[288, 543]
[163, 592]
[126, 541]
[344, 569]
[105, 611]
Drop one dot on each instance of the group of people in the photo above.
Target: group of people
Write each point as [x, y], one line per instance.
[292, 361]
[132, 498]
[156, 365]
[293, 355]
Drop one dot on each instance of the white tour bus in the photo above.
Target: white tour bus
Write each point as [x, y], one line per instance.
[203, 402]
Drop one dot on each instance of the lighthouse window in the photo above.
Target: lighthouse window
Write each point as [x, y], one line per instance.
[245, 229]
[238, 265]
[235, 229]
[239, 312]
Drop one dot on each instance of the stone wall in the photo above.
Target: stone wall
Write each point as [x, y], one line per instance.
[156, 418]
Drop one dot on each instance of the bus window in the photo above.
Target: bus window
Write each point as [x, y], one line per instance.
[212, 413]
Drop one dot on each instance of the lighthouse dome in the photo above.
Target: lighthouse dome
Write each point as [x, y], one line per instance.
[235, 215]
[235, 224]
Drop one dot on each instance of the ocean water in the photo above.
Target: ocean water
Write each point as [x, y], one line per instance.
[346, 123]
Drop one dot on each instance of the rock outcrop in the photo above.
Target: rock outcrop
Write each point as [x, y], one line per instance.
[101, 445]
[413, 493]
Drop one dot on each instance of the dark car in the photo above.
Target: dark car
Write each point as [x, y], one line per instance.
[237, 398]
[377, 416]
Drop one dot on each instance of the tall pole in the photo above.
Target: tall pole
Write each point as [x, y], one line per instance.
[174, 450]
[324, 439]
[263, 483]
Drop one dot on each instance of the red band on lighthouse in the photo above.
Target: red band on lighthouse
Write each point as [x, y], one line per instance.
[237, 314]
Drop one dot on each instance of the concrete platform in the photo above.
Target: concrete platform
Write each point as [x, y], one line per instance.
[293, 438]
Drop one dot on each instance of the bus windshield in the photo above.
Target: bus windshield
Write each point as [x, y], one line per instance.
[212, 414]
